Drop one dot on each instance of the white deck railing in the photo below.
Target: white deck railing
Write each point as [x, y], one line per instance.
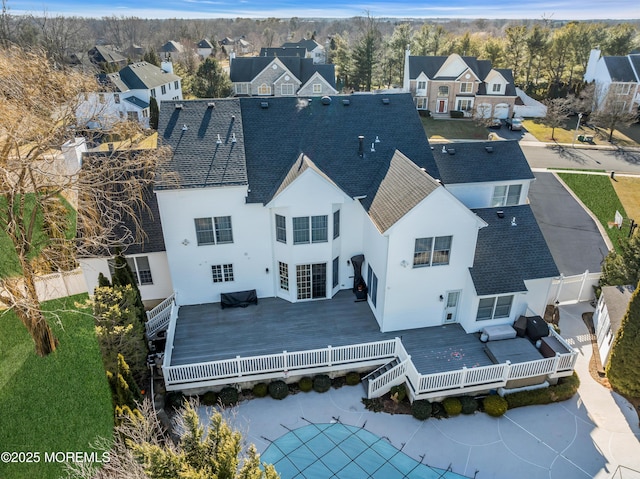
[420, 386]
[158, 318]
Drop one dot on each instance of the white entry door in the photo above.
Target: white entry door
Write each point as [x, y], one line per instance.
[451, 306]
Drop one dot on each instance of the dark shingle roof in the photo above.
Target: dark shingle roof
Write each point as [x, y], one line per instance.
[283, 52]
[472, 163]
[427, 64]
[197, 158]
[403, 186]
[141, 76]
[620, 69]
[247, 68]
[171, 47]
[103, 54]
[134, 100]
[204, 43]
[507, 255]
[274, 138]
[635, 61]
[308, 45]
[617, 299]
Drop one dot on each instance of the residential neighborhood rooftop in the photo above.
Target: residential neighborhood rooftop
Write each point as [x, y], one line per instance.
[620, 69]
[140, 76]
[245, 69]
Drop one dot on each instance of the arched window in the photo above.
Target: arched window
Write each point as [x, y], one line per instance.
[264, 89]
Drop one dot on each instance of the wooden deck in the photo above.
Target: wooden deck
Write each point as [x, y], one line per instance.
[208, 333]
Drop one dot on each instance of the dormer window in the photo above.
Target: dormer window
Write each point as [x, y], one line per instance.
[497, 88]
[443, 91]
[422, 85]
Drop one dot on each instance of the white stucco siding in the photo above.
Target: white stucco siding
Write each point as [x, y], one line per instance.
[413, 293]
[160, 288]
[375, 247]
[312, 195]
[191, 265]
[480, 195]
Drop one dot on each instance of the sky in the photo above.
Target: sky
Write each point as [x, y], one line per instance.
[514, 9]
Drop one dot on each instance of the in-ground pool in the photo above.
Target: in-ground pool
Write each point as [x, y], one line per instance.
[322, 451]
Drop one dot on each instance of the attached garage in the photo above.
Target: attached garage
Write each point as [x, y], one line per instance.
[501, 110]
[483, 110]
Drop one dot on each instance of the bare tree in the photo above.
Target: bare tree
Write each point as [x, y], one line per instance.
[557, 111]
[612, 109]
[39, 101]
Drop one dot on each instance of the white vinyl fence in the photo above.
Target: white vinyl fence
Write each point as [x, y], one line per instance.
[58, 285]
[573, 289]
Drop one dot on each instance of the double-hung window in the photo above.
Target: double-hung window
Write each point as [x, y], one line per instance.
[466, 87]
[506, 195]
[494, 307]
[215, 230]
[140, 268]
[281, 229]
[286, 89]
[422, 85]
[432, 251]
[163, 88]
[310, 229]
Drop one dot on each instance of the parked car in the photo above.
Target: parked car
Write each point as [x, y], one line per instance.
[496, 124]
[514, 123]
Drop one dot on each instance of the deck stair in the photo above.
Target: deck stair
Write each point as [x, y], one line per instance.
[376, 373]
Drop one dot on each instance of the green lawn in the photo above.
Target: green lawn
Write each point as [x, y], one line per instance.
[58, 403]
[9, 265]
[597, 193]
[459, 129]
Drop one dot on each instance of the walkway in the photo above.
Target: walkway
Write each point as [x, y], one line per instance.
[587, 436]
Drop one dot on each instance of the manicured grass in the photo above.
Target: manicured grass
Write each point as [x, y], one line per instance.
[460, 129]
[628, 190]
[58, 403]
[566, 133]
[9, 265]
[598, 194]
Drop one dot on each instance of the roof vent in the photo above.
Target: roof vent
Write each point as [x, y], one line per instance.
[385, 101]
[264, 104]
[219, 140]
[500, 213]
[211, 105]
[451, 151]
[346, 102]
[513, 221]
[377, 139]
[326, 100]
[489, 149]
[178, 106]
[233, 138]
[185, 127]
[373, 147]
[444, 149]
[360, 146]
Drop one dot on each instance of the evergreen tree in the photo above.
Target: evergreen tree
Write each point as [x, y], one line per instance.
[622, 268]
[622, 368]
[211, 81]
[365, 54]
[103, 281]
[150, 56]
[154, 113]
[123, 276]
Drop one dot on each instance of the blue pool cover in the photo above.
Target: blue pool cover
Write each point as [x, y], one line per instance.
[338, 451]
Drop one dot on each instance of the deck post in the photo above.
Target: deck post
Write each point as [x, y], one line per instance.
[285, 366]
[238, 360]
[463, 376]
[330, 356]
[556, 362]
[507, 370]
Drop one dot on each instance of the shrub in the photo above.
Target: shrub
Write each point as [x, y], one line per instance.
[173, 399]
[305, 384]
[260, 390]
[321, 383]
[278, 389]
[469, 405]
[209, 398]
[338, 382]
[352, 378]
[437, 410]
[421, 409]
[495, 405]
[398, 393]
[457, 114]
[452, 406]
[565, 389]
[228, 396]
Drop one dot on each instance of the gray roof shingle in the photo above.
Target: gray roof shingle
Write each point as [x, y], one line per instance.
[507, 255]
[283, 52]
[472, 163]
[134, 100]
[197, 159]
[141, 76]
[308, 45]
[620, 69]
[245, 69]
[617, 299]
[274, 138]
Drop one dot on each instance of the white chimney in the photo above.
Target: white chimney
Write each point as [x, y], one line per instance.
[72, 151]
[406, 80]
[594, 57]
[167, 67]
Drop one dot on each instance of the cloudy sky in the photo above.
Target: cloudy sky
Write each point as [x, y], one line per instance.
[554, 9]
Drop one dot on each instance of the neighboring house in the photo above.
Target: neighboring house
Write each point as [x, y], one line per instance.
[171, 49]
[311, 48]
[135, 52]
[237, 46]
[619, 76]
[205, 48]
[283, 52]
[281, 76]
[611, 308]
[441, 84]
[126, 95]
[106, 57]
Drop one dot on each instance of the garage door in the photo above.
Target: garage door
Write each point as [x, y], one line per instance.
[483, 110]
[501, 111]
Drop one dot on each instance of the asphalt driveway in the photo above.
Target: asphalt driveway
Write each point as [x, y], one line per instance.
[572, 236]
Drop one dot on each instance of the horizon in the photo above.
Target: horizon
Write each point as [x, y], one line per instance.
[554, 10]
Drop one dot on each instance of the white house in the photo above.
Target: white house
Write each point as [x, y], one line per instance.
[312, 49]
[205, 48]
[126, 95]
[618, 76]
[611, 308]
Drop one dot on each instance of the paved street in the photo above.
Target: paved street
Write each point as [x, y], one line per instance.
[540, 155]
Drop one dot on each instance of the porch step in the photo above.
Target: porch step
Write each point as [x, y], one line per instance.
[381, 370]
